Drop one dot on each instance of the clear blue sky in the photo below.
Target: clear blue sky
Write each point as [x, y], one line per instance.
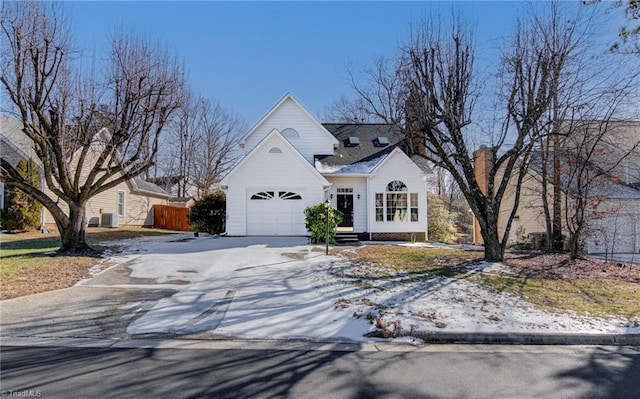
[247, 55]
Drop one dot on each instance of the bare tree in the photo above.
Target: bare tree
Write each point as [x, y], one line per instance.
[201, 146]
[430, 92]
[587, 89]
[89, 135]
[592, 154]
[176, 155]
[345, 110]
[215, 152]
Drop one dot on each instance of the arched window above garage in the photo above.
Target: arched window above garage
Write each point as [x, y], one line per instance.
[263, 195]
[288, 195]
[290, 133]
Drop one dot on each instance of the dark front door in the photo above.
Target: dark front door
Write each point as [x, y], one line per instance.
[345, 205]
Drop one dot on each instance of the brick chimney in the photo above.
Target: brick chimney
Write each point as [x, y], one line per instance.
[412, 109]
[482, 164]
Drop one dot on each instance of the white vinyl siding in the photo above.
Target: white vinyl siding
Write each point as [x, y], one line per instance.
[358, 185]
[273, 172]
[398, 207]
[313, 139]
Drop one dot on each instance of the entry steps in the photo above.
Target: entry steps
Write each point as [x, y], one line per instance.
[347, 239]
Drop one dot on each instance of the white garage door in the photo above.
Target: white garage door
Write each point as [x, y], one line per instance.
[275, 212]
[619, 235]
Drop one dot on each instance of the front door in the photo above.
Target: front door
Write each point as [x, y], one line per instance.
[345, 205]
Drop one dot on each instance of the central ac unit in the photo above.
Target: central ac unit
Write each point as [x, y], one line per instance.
[109, 220]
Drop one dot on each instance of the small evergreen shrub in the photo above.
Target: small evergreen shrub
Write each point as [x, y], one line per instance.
[208, 214]
[315, 220]
[23, 211]
[522, 246]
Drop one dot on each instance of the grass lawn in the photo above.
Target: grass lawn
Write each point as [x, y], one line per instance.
[598, 297]
[26, 266]
[416, 260]
[547, 281]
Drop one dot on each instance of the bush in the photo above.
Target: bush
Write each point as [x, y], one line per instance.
[315, 220]
[442, 222]
[208, 214]
[522, 246]
[23, 212]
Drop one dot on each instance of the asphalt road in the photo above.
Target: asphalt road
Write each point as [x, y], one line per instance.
[447, 371]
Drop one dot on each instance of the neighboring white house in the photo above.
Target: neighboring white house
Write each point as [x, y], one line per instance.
[292, 161]
[128, 203]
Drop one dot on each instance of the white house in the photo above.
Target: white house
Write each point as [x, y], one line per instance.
[292, 161]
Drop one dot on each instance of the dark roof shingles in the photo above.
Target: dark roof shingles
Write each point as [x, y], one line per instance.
[368, 148]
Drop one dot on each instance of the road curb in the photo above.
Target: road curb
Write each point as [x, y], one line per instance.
[426, 341]
[527, 338]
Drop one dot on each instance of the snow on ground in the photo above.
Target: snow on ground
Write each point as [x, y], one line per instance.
[270, 287]
[441, 304]
[237, 287]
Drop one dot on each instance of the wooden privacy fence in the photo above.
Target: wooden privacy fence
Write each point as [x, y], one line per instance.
[170, 218]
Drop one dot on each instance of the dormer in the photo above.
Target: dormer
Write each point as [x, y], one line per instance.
[381, 141]
[352, 141]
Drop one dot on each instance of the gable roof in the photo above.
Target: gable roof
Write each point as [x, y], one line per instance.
[165, 182]
[364, 157]
[608, 141]
[289, 147]
[273, 109]
[140, 186]
[16, 145]
[397, 152]
[604, 185]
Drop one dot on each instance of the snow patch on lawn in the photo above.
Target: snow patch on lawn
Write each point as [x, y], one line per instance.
[442, 304]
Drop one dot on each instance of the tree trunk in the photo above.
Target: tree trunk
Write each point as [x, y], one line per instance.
[73, 235]
[545, 151]
[574, 246]
[493, 251]
[557, 242]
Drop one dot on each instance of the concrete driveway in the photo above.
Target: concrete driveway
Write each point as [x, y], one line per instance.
[248, 287]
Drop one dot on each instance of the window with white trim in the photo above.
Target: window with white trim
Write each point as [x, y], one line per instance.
[290, 133]
[414, 207]
[120, 203]
[396, 204]
[379, 207]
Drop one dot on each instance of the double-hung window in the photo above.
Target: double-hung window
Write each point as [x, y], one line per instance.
[396, 201]
[121, 203]
[396, 204]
